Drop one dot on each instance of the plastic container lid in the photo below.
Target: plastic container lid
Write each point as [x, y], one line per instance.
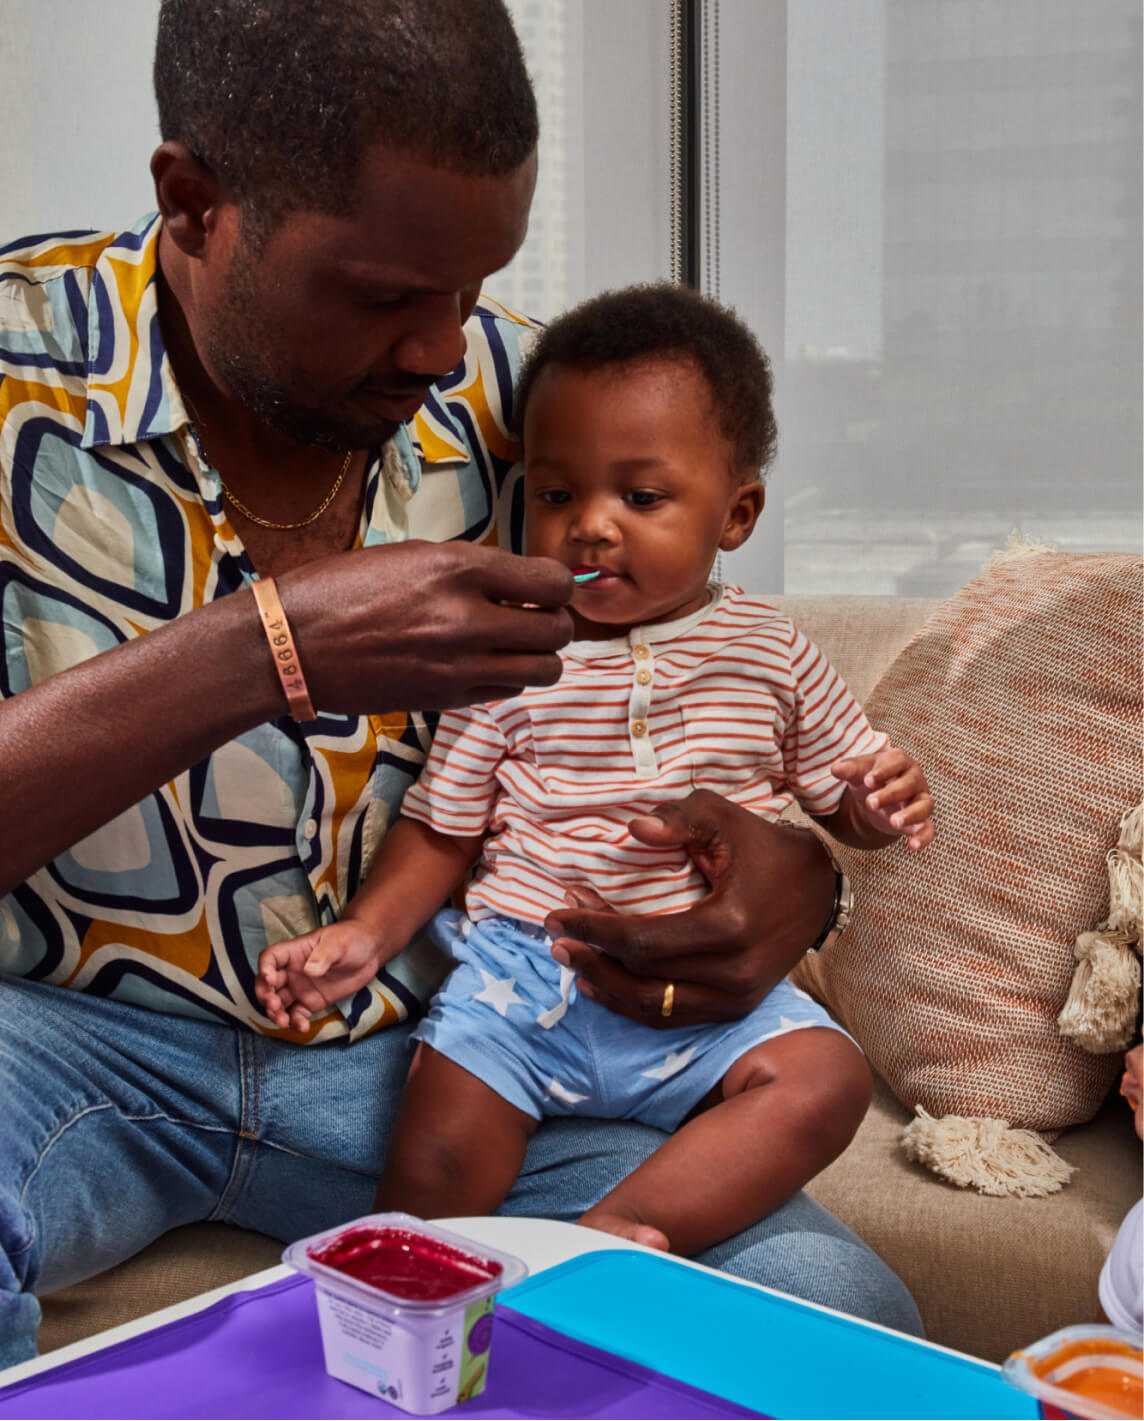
[499, 1270]
[1046, 1368]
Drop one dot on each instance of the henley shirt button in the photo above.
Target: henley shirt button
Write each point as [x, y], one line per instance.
[639, 728]
[643, 676]
[640, 652]
[310, 828]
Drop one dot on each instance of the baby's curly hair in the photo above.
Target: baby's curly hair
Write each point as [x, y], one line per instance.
[658, 321]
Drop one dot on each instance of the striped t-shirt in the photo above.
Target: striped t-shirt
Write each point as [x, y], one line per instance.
[732, 699]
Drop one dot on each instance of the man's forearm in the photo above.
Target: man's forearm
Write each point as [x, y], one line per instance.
[811, 878]
[85, 745]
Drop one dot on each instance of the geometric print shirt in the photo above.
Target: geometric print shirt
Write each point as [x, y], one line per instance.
[112, 525]
[732, 698]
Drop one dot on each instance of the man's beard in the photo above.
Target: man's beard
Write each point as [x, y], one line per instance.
[248, 381]
[233, 345]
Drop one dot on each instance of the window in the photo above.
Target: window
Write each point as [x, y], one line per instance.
[928, 210]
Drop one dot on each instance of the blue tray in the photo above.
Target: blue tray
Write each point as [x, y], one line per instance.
[764, 1351]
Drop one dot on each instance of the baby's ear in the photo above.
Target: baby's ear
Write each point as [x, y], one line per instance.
[742, 514]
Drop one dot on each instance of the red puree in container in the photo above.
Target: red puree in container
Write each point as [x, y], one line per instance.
[406, 1264]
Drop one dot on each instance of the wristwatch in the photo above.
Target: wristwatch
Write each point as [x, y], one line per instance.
[839, 914]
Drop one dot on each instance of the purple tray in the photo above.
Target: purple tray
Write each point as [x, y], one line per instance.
[259, 1354]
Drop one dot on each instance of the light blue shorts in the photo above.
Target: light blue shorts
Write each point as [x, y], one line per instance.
[514, 1018]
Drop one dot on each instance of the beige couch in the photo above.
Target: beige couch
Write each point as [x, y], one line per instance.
[988, 1274]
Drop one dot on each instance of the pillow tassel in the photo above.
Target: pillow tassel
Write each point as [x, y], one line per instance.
[1103, 1001]
[1100, 1013]
[987, 1155]
[1020, 546]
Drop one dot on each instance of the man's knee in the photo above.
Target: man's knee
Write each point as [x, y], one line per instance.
[802, 1249]
[572, 1163]
[19, 1322]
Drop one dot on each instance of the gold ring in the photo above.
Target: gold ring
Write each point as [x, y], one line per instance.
[668, 999]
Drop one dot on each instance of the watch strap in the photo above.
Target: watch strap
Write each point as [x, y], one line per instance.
[839, 912]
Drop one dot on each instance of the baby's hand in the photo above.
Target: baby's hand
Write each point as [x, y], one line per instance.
[305, 974]
[890, 794]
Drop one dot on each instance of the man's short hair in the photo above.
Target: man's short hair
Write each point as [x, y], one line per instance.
[638, 324]
[281, 98]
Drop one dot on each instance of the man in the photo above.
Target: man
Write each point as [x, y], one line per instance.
[272, 379]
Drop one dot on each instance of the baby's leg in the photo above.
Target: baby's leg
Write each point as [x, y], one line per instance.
[784, 1110]
[457, 1146]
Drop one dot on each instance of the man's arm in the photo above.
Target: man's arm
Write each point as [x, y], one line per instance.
[414, 625]
[86, 744]
[772, 894]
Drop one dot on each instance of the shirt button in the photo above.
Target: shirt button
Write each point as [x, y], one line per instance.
[310, 828]
[639, 728]
[643, 676]
[641, 653]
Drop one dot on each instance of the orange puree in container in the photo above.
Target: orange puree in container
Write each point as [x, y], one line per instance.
[1110, 1386]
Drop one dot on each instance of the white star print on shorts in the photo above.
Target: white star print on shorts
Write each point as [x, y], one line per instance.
[512, 1017]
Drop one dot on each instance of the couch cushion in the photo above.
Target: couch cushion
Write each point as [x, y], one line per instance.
[1021, 698]
[860, 635]
[180, 1265]
[988, 1275]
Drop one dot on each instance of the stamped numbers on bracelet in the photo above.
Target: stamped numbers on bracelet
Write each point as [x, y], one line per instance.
[281, 641]
[280, 638]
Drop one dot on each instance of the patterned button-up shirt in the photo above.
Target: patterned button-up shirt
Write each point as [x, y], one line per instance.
[111, 525]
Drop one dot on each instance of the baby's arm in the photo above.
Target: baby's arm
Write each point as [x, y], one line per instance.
[415, 870]
[886, 797]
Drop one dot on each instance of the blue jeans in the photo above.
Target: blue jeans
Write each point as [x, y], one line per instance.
[118, 1123]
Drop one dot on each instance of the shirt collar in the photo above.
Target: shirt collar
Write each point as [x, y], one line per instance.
[441, 429]
[438, 437]
[647, 635]
[131, 390]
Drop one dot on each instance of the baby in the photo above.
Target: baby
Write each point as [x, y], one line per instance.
[647, 421]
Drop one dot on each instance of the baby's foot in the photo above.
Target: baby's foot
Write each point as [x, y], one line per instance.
[623, 1227]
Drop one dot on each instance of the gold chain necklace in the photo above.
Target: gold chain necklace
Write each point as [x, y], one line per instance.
[242, 508]
[302, 522]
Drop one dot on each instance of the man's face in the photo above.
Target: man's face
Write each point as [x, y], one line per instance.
[334, 327]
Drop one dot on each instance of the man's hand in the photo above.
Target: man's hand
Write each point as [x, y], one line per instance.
[306, 974]
[405, 626]
[771, 892]
[426, 625]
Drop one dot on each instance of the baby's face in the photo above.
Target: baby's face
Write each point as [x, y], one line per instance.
[1131, 1087]
[628, 475]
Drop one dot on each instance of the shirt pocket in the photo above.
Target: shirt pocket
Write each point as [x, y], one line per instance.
[733, 746]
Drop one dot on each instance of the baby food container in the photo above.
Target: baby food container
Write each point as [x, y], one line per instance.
[1090, 1371]
[405, 1307]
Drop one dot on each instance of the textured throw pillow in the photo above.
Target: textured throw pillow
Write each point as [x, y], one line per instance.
[1021, 698]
